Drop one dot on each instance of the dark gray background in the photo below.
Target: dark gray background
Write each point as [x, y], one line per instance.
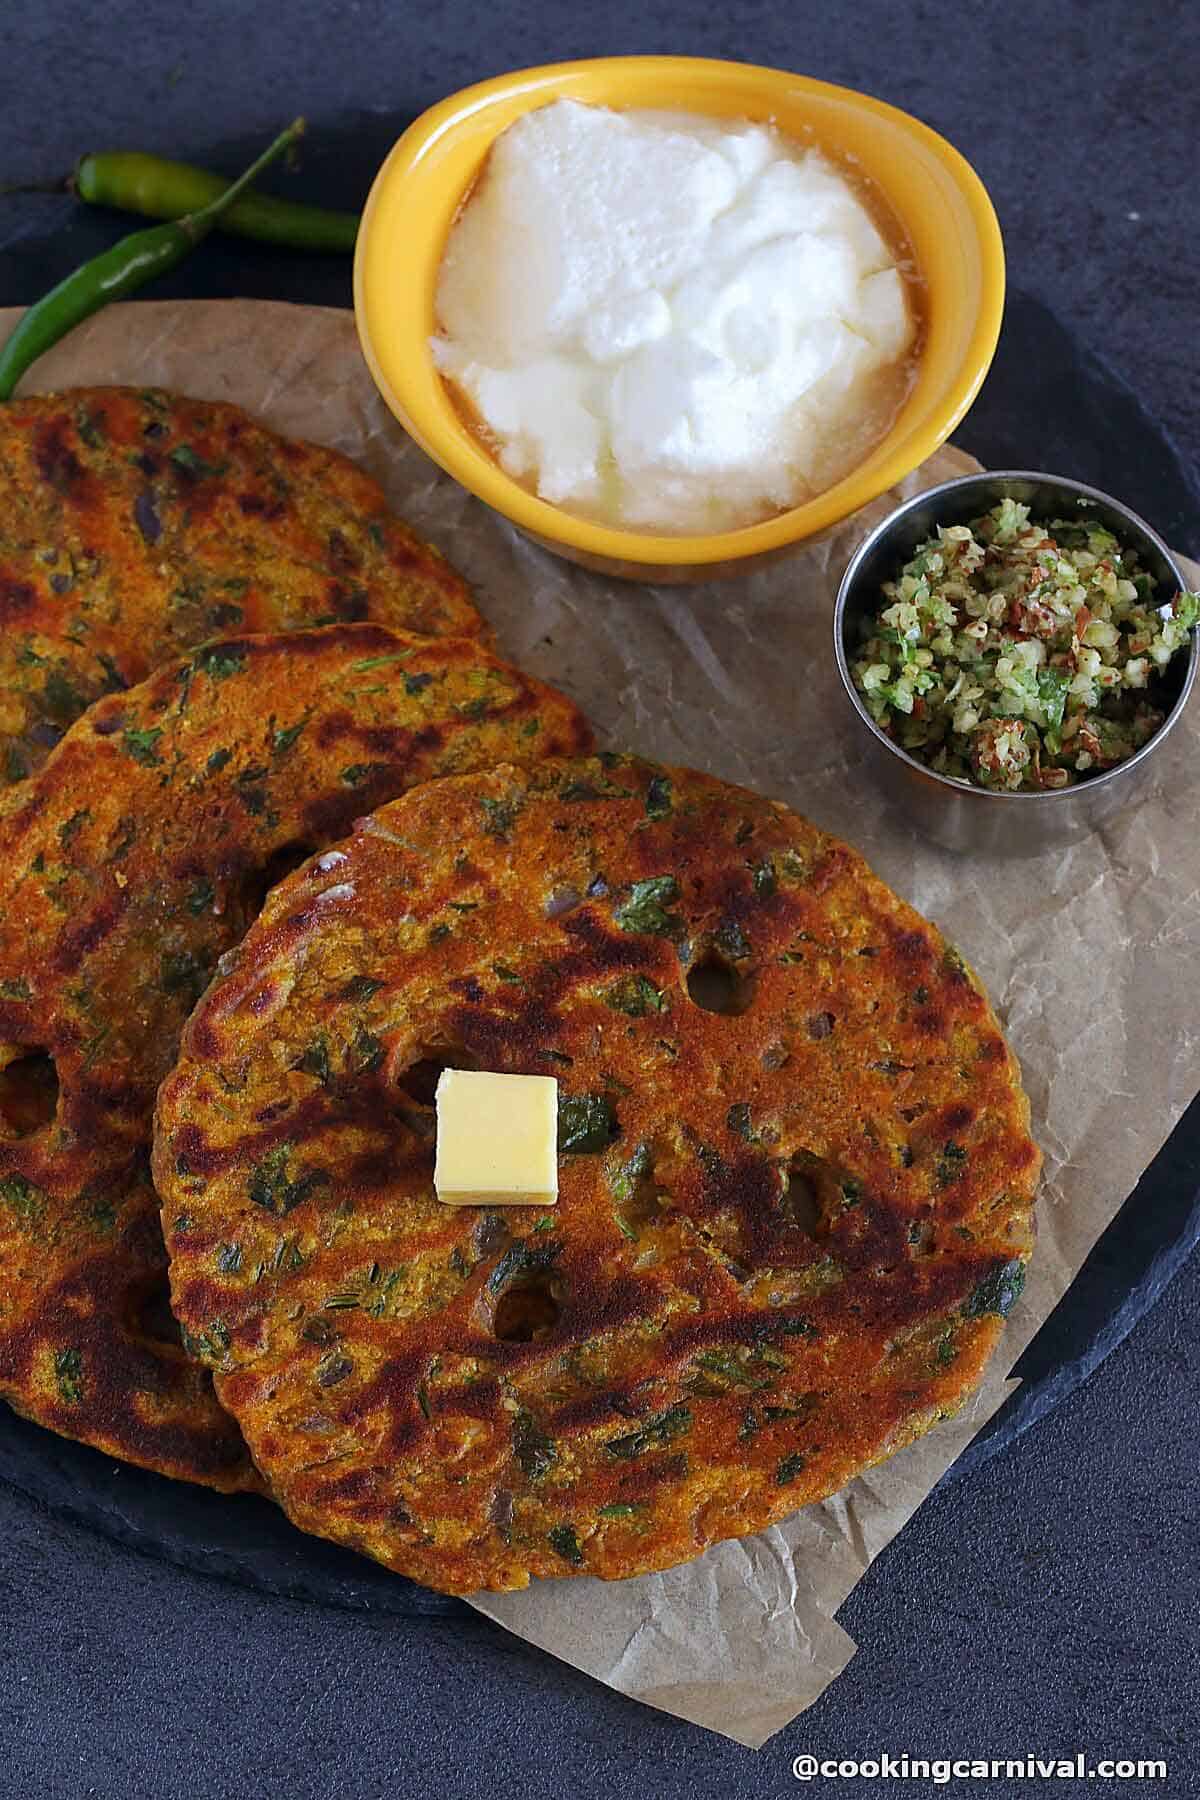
[1045, 1602]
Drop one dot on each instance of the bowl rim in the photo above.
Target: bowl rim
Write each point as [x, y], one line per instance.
[553, 525]
[982, 477]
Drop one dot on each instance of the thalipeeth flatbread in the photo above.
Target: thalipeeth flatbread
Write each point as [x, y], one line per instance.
[796, 1177]
[137, 856]
[136, 524]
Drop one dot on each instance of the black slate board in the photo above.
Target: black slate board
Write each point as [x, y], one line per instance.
[1049, 403]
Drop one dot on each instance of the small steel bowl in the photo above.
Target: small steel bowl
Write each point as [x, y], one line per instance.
[954, 813]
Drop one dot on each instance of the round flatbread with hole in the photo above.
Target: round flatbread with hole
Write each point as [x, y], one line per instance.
[137, 856]
[136, 524]
[796, 1176]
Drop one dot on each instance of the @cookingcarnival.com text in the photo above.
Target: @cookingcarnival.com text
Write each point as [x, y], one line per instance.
[941, 1770]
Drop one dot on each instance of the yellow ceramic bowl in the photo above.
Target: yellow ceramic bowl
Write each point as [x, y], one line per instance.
[939, 201]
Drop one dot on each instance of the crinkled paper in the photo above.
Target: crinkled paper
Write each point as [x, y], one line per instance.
[1089, 953]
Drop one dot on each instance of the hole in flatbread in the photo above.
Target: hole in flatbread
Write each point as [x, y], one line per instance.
[526, 1310]
[28, 1093]
[801, 1201]
[717, 987]
[259, 882]
[920, 1237]
[641, 1202]
[646, 1207]
[816, 1192]
[419, 1081]
[150, 1321]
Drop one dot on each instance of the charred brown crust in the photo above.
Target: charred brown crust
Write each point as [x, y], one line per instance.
[136, 524]
[135, 859]
[796, 1191]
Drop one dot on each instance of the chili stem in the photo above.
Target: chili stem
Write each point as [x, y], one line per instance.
[34, 187]
[199, 224]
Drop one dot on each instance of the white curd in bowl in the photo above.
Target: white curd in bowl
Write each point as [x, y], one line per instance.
[671, 323]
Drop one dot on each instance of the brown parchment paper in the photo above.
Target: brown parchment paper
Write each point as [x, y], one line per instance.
[1088, 953]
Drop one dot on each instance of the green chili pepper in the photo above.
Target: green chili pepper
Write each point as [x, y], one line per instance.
[119, 272]
[135, 182]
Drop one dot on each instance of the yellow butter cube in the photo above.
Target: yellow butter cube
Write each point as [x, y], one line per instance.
[497, 1139]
